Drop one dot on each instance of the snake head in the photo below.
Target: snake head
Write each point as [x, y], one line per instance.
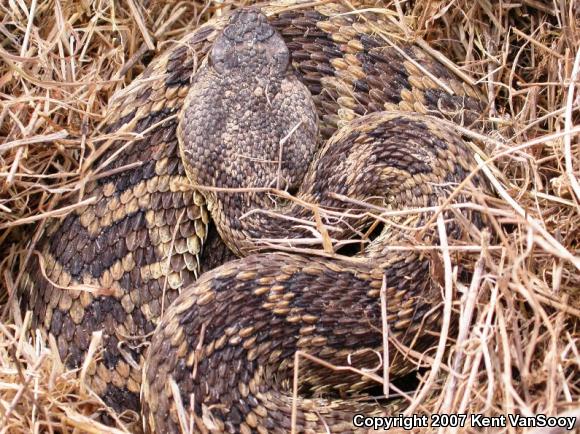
[249, 44]
[247, 123]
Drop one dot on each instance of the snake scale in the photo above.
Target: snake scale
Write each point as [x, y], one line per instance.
[199, 142]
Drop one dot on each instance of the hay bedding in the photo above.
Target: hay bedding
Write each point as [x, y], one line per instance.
[518, 348]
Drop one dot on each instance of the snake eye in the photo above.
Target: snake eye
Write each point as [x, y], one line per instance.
[278, 52]
[218, 54]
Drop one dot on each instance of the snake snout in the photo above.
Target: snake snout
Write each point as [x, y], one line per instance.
[249, 44]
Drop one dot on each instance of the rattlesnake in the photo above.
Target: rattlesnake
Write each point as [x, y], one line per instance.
[223, 132]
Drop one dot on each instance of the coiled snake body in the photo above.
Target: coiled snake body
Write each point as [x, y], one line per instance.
[220, 135]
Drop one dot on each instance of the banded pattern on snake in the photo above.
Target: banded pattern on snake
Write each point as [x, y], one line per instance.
[211, 114]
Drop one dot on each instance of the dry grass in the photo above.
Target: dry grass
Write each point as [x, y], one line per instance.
[518, 346]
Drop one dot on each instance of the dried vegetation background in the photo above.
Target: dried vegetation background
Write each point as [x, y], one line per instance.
[518, 348]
